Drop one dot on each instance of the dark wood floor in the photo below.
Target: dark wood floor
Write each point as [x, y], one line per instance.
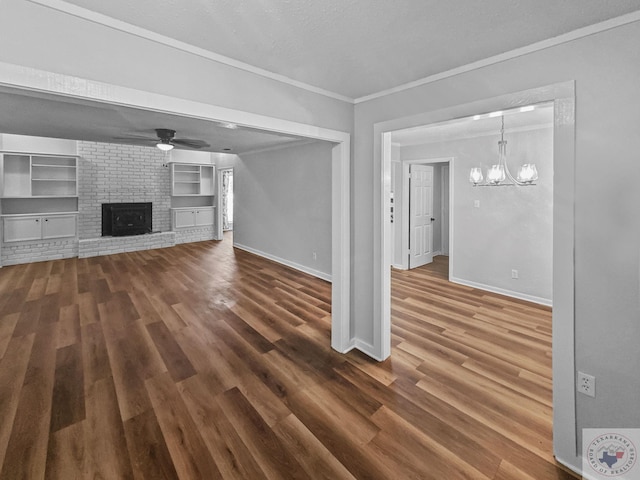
[201, 362]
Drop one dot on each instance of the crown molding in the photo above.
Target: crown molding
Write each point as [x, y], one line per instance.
[110, 22]
[518, 52]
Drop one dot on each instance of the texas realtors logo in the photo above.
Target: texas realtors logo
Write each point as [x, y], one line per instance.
[611, 455]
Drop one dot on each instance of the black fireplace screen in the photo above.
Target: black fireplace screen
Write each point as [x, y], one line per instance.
[119, 219]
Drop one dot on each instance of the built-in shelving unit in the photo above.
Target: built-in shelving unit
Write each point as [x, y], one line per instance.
[192, 195]
[39, 196]
[190, 179]
[39, 176]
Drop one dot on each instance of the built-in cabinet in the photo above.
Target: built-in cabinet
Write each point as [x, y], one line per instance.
[17, 228]
[39, 197]
[192, 217]
[192, 195]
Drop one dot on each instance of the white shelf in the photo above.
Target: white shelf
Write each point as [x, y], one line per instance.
[25, 175]
[192, 180]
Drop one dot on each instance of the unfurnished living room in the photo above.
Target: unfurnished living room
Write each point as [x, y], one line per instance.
[342, 240]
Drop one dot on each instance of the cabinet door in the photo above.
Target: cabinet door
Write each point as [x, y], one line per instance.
[184, 218]
[56, 226]
[22, 228]
[204, 216]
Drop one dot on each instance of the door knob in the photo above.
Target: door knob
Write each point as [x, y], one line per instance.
[433, 219]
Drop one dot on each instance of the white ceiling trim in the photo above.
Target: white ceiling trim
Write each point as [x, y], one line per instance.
[27, 78]
[110, 22]
[518, 52]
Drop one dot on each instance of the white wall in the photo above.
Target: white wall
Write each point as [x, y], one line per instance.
[605, 67]
[282, 205]
[512, 227]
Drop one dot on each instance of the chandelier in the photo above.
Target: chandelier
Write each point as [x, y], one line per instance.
[498, 173]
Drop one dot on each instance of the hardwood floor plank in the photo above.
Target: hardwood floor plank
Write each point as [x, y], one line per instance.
[94, 354]
[68, 390]
[421, 456]
[106, 450]
[147, 448]
[29, 319]
[174, 358]
[37, 289]
[231, 455]
[69, 330]
[7, 325]
[88, 309]
[314, 457]
[66, 453]
[13, 368]
[261, 441]
[188, 450]
[26, 452]
[129, 373]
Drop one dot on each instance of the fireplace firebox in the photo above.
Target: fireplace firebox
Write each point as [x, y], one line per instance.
[120, 219]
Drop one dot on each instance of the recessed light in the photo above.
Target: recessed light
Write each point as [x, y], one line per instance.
[231, 126]
[528, 108]
[495, 114]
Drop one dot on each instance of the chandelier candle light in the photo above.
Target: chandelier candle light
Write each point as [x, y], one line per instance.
[498, 173]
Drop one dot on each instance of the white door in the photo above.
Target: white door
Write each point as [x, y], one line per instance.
[420, 215]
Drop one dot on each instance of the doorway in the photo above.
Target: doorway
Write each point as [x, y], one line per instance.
[226, 194]
[563, 97]
[441, 213]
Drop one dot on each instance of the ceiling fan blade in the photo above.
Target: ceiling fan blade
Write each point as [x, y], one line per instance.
[190, 143]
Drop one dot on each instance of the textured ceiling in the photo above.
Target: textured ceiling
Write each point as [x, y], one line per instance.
[359, 47]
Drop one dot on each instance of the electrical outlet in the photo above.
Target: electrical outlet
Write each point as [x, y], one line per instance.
[514, 274]
[587, 384]
[315, 256]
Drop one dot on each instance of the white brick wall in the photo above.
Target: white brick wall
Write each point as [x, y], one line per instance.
[111, 173]
[109, 245]
[195, 234]
[14, 253]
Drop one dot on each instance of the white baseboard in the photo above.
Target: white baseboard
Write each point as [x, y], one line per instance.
[502, 291]
[367, 349]
[288, 263]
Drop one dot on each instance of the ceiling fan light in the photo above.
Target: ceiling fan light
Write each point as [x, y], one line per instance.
[164, 146]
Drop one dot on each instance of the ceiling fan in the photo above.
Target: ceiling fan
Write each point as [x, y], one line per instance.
[166, 140]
